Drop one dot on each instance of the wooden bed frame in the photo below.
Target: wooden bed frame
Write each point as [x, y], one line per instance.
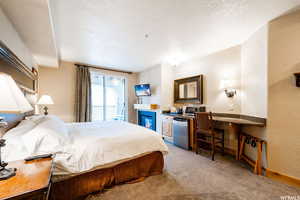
[80, 186]
[76, 187]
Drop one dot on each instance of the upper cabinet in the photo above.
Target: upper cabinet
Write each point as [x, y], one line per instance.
[189, 90]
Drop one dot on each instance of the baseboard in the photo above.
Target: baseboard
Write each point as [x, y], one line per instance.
[283, 178]
[230, 151]
[226, 150]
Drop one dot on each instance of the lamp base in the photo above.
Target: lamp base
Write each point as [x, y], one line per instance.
[45, 110]
[3, 124]
[7, 173]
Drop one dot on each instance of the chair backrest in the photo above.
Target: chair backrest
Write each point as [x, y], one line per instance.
[204, 121]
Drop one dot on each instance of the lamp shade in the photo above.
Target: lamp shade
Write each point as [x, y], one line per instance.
[12, 100]
[45, 100]
[227, 84]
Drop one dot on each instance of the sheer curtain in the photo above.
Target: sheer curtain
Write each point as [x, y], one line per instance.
[108, 97]
[83, 95]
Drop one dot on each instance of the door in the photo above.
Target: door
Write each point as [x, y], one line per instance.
[108, 97]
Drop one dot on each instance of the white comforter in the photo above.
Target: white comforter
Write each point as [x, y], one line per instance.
[84, 146]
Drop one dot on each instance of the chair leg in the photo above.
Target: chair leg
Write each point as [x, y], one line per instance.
[213, 148]
[223, 144]
[196, 144]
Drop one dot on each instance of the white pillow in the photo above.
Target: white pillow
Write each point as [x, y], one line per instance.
[14, 149]
[23, 127]
[47, 137]
[36, 118]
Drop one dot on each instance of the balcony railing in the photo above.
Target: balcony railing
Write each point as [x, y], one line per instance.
[115, 112]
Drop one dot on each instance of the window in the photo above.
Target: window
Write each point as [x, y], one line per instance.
[109, 100]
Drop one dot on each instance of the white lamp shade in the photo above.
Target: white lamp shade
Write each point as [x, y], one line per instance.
[45, 100]
[227, 84]
[12, 100]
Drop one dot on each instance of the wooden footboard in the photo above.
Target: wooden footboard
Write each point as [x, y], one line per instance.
[78, 187]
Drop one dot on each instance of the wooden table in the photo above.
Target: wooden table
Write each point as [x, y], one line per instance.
[238, 121]
[32, 180]
[234, 127]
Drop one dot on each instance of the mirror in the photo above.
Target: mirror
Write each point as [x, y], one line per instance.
[188, 90]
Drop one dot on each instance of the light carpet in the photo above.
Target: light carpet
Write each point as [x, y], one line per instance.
[188, 176]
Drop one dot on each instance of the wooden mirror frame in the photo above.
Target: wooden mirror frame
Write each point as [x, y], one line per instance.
[198, 99]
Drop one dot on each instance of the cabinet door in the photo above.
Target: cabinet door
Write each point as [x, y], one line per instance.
[167, 125]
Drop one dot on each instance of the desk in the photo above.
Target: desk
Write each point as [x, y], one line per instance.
[233, 121]
[238, 121]
[234, 127]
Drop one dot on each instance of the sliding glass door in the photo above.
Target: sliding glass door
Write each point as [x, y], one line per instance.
[108, 97]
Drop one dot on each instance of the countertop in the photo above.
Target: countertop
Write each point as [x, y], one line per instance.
[180, 115]
[235, 120]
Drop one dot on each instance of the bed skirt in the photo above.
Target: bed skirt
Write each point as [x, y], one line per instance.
[78, 187]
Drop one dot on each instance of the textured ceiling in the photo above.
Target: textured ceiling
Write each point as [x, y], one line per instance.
[112, 33]
[136, 34]
[32, 20]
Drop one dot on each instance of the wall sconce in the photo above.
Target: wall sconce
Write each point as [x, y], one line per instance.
[297, 75]
[228, 86]
[230, 92]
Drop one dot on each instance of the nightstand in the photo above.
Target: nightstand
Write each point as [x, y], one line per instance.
[32, 180]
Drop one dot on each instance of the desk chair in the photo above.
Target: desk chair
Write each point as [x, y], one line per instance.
[206, 133]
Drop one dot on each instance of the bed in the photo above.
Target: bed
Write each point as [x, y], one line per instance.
[88, 156]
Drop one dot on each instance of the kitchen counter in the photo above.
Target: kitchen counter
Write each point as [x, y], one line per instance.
[185, 116]
[236, 119]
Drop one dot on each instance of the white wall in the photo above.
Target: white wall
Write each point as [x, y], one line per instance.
[283, 129]
[245, 64]
[254, 74]
[13, 41]
[254, 90]
[167, 89]
[161, 78]
[153, 77]
[221, 65]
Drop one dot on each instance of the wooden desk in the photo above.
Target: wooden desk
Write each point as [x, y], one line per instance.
[238, 121]
[234, 123]
[32, 180]
[234, 127]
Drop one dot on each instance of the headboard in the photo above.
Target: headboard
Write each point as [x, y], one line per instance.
[26, 79]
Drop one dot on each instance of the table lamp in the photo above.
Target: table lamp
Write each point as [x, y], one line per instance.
[45, 100]
[12, 101]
